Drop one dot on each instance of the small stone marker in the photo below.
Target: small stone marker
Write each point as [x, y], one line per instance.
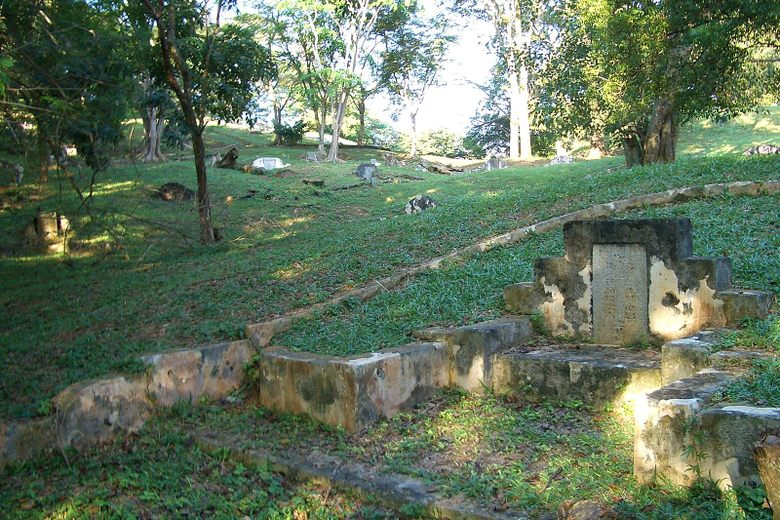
[762, 149]
[619, 294]
[312, 157]
[494, 163]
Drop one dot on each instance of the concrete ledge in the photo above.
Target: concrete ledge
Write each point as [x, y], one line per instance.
[520, 298]
[596, 375]
[355, 392]
[683, 358]
[93, 412]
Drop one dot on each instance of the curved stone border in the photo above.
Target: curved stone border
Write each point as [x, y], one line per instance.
[260, 334]
[94, 412]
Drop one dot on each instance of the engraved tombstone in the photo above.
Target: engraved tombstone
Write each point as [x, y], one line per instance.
[620, 314]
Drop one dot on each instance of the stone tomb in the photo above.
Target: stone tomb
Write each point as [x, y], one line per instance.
[621, 282]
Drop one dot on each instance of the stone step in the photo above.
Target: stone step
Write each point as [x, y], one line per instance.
[594, 374]
[472, 347]
[679, 436]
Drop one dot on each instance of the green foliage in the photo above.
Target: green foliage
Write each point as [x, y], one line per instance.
[754, 334]
[617, 63]
[290, 135]
[760, 386]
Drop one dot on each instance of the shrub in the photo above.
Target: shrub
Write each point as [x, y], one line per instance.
[290, 135]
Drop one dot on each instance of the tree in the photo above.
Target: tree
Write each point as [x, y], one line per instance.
[212, 70]
[648, 67]
[68, 81]
[410, 62]
[517, 26]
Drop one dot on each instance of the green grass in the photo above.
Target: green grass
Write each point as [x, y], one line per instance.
[711, 137]
[499, 451]
[162, 474]
[744, 228]
[760, 386]
[135, 284]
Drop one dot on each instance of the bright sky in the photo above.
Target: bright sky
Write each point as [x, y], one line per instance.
[452, 104]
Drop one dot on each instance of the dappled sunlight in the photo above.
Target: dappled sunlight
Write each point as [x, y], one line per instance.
[113, 187]
[432, 190]
[288, 222]
[295, 270]
[766, 125]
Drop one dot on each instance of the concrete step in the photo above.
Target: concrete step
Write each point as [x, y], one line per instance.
[594, 374]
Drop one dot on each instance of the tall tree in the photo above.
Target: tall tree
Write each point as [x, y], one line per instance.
[517, 27]
[212, 69]
[410, 62]
[648, 67]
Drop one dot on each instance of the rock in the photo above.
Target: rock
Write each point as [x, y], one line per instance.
[312, 157]
[268, 164]
[762, 149]
[419, 203]
[583, 510]
[229, 160]
[391, 159]
[314, 182]
[174, 192]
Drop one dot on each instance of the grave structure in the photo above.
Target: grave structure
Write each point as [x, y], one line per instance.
[623, 282]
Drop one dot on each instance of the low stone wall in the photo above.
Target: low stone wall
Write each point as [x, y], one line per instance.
[356, 392]
[679, 438]
[93, 412]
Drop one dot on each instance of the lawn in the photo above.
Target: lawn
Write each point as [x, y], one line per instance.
[136, 281]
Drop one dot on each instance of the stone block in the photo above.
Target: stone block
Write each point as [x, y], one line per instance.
[595, 375]
[683, 358]
[354, 392]
[521, 298]
[94, 412]
[663, 426]
[472, 348]
[212, 371]
[739, 304]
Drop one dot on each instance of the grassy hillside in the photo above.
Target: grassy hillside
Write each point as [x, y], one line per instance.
[137, 281]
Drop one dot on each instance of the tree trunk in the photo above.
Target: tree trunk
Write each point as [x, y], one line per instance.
[154, 123]
[204, 205]
[632, 149]
[338, 118]
[767, 456]
[413, 117]
[661, 140]
[321, 115]
[514, 113]
[361, 136]
[524, 115]
[277, 123]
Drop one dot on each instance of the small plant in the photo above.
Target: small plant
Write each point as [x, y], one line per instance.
[538, 324]
[759, 387]
[290, 135]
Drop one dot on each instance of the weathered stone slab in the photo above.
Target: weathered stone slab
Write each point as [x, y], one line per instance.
[741, 304]
[22, 440]
[354, 392]
[620, 314]
[596, 375]
[663, 426]
[471, 348]
[683, 358]
[212, 371]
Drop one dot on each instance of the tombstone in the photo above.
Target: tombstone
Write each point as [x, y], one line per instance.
[627, 281]
[762, 149]
[366, 172]
[312, 157]
[268, 164]
[494, 163]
